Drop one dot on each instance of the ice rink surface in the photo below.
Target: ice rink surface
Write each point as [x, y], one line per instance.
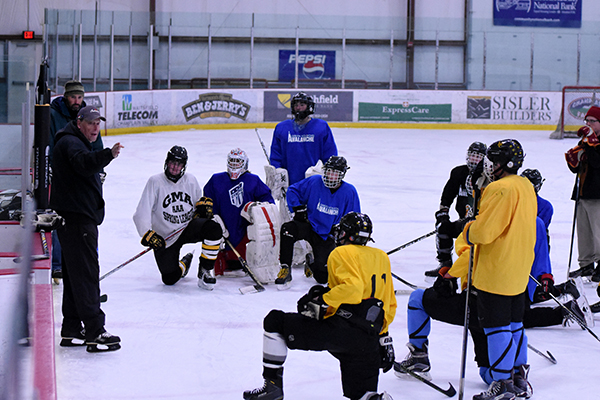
[182, 342]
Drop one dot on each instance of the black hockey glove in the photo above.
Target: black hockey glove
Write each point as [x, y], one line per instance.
[312, 305]
[300, 213]
[386, 351]
[445, 287]
[153, 240]
[204, 208]
[598, 289]
[442, 215]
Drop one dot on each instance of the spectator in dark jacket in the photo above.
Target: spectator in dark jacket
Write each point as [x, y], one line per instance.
[77, 196]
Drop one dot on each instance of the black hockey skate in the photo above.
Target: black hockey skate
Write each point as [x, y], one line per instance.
[206, 279]
[104, 342]
[284, 278]
[587, 270]
[73, 339]
[596, 275]
[595, 308]
[575, 310]
[522, 386]
[434, 273]
[498, 390]
[185, 263]
[376, 396]
[271, 390]
[416, 361]
[568, 287]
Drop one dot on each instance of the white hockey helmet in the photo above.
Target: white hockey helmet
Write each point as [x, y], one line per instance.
[237, 163]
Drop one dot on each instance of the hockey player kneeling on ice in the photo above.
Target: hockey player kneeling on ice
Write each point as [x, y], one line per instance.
[349, 318]
[318, 203]
[170, 215]
[233, 192]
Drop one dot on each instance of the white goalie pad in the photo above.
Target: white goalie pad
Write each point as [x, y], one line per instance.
[262, 251]
[316, 169]
[277, 181]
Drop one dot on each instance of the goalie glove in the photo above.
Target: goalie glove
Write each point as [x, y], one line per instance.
[312, 305]
[386, 351]
[153, 240]
[204, 208]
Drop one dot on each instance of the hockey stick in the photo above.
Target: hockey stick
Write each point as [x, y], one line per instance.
[575, 317]
[548, 356]
[262, 145]
[577, 182]
[112, 271]
[405, 245]
[257, 287]
[407, 283]
[463, 360]
[450, 392]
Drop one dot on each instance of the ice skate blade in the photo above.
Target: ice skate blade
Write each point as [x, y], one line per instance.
[72, 342]
[284, 286]
[205, 286]
[100, 348]
[425, 375]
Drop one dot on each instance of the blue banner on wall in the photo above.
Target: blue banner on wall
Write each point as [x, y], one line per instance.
[547, 13]
[312, 64]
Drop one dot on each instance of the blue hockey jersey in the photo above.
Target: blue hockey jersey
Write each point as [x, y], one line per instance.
[229, 196]
[296, 148]
[325, 209]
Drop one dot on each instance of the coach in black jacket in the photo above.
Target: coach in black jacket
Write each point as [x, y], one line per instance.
[76, 195]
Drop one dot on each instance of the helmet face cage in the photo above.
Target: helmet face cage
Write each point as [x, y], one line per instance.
[535, 177]
[334, 171]
[237, 163]
[302, 97]
[488, 169]
[176, 154]
[475, 154]
[354, 228]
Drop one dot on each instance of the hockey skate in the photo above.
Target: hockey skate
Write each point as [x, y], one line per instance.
[416, 361]
[284, 278]
[206, 279]
[568, 317]
[73, 339]
[498, 390]
[271, 390]
[434, 273]
[596, 275]
[595, 308]
[56, 276]
[569, 287]
[587, 270]
[185, 263]
[583, 303]
[522, 386]
[104, 342]
[376, 396]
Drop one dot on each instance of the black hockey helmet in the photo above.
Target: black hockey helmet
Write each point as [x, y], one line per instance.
[334, 171]
[302, 97]
[508, 153]
[178, 154]
[354, 228]
[535, 177]
[475, 154]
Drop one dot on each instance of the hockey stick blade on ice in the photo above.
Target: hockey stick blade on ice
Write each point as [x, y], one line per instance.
[548, 356]
[450, 392]
[138, 255]
[258, 287]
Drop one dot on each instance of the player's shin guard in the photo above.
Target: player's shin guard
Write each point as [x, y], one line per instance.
[210, 250]
[501, 352]
[520, 342]
[418, 321]
[274, 350]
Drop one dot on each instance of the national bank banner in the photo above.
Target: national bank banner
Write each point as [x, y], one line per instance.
[547, 13]
[312, 64]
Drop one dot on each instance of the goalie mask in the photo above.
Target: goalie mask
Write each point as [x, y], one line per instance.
[354, 228]
[503, 156]
[535, 177]
[237, 163]
[334, 171]
[302, 97]
[177, 154]
[475, 154]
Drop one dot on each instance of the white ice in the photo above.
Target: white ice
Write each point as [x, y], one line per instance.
[182, 342]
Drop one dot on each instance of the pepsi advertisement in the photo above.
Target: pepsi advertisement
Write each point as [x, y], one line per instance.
[312, 64]
[547, 13]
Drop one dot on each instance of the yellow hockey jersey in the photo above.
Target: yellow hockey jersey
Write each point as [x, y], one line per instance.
[357, 273]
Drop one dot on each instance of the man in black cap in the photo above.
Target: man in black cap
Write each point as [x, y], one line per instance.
[63, 110]
[76, 195]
